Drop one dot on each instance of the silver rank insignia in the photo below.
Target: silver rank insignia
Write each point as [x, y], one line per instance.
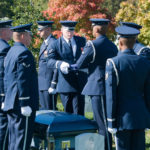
[25, 65]
[50, 51]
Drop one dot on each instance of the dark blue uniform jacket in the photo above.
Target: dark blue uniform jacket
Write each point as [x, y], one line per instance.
[45, 74]
[95, 59]
[59, 52]
[20, 79]
[128, 103]
[4, 48]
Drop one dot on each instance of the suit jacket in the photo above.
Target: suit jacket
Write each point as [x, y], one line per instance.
[94, 57]
[4, 48]
[20, 79]
[127, 94]
[59, 52]
[46, 75]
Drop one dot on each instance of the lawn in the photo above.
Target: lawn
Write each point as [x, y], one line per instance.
[148, 140]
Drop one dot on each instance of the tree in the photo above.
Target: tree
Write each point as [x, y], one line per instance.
[138, 12]
[7, 6]
[40, 4]
[112, 5]
[76, 10]
[5, 10]
[26, 12]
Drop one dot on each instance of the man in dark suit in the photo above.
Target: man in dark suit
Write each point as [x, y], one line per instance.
[139, 48]
[67, 49]
[127, 93]
[21, 89]
[47, 77]
[5, 36]
[94, 57]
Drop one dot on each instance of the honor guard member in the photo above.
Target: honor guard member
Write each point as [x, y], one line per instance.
[94, 57]
[127, 93]
[67, 49]
[138, 47]
[47, 77]
[5, 36]
[21, 86]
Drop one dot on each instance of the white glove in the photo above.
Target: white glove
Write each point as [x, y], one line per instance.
[2, 106]
[26, 111]
[64, 67]
[51, 91]
[112, 130]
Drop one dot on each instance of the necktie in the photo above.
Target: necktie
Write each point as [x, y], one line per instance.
[70, 47]
[70, 44]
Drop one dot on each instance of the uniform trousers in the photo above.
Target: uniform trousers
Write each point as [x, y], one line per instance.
[99, 118]
[3, 130]
[20, 130]
[130, 140]
[47, 101]
[73, 103]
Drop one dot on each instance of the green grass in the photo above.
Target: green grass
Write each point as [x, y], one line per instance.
[148, 140]
[60, 107]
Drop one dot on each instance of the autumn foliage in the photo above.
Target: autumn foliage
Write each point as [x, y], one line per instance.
[76, 10]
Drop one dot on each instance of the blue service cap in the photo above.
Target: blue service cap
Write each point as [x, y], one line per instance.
[5, 24]
[99, 21]
[131, 24]
[22, 28]
[127, 32]
[69, 25]
[44, 24]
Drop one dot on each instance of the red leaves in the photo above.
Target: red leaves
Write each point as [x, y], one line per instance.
[93, 5]
[76, 10]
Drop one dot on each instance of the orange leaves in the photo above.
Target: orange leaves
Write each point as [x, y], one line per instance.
[37, 42]
[57, 33]
[99, 15]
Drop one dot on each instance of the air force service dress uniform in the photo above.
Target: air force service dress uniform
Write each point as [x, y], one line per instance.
[139, 48]
[4, 48]
[94, 57]
[128, 96]
[47, 77]
[21, 87]
[69, 85]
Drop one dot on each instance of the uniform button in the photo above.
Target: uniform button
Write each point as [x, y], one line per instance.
[74, 59]
[77, 73]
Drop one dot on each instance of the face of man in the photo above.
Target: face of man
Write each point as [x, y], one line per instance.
[6, 34]
[44, 33]
[67, 33]
[94, 31]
